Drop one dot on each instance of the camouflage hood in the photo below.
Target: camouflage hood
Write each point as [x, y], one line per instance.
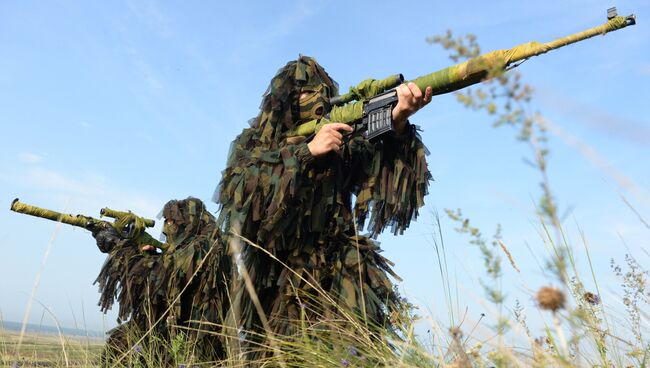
[184, 220]
[279, 112]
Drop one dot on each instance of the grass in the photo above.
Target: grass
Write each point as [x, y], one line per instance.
[47, 350]
[579, 331]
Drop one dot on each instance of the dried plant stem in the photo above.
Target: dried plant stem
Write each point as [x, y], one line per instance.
[563, 346]
[32, 297]
[250, 288]
[360, 262]
[59, 332]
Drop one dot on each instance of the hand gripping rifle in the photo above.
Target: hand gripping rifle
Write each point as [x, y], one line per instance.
[368, 106]
[127, 224]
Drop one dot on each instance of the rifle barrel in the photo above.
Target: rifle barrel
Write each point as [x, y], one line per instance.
[477, 69]
[27, 209]
[474, 70]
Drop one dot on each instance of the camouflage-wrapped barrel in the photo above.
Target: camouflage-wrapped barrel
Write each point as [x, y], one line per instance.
[457, 76]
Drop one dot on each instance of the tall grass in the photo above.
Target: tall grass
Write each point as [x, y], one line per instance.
[578, 331]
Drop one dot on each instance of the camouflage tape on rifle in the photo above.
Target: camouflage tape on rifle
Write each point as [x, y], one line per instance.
[466, 73]
[75, 220]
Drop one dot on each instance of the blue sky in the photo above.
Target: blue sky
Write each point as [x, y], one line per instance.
[131, 103]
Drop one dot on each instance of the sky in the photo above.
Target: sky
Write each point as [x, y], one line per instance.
[129, 104]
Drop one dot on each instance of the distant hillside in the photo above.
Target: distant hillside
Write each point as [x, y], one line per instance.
[16, 326]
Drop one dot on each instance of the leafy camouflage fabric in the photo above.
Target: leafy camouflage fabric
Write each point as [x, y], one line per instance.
[183, 287]
[198, 272]
[127, 277]
[302, 210]
[132, 278]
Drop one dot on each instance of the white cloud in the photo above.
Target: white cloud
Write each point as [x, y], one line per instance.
[595, 158]
[595, 117]
[29, 158]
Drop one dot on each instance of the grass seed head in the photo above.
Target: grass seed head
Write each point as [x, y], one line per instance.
[550, 298]
[591, 298]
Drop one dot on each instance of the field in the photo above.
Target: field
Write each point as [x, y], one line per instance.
[48, 350]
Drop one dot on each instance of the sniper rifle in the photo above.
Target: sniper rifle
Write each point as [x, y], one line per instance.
[368, 106]
[127, 224]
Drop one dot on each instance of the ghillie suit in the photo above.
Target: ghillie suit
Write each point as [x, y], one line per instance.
[181, 290]
[198, 274]
[300, 209]
[127, 277]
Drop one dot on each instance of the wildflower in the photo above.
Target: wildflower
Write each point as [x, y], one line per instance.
[550, 298]
[591, 298]
[345, 363]
[137, 348]
[181, 366]
[353, 351]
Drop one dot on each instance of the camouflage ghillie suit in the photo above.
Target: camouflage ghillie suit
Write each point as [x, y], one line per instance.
[198, 273]
[300, 208]
[182, 288]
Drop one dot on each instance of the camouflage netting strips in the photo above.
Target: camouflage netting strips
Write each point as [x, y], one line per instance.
[184, 286]
[299, 209]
